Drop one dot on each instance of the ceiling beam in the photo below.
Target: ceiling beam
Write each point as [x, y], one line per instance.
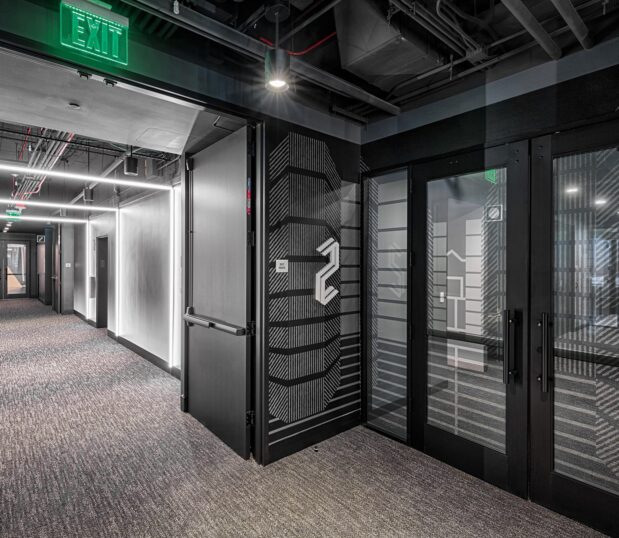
[533, 26]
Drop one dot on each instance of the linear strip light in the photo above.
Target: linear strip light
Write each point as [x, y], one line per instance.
[36, 203]
[13, 218]
[81, 177]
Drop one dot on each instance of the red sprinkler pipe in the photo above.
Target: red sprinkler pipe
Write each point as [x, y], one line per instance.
[304, 51]
[23, 146]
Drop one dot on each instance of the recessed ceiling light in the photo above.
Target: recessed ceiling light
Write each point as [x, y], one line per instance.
[572, 190]
[24, 204]
[600, 201]
[70, 176]
[43, 219]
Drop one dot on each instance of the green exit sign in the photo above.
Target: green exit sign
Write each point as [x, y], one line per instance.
[93, 29]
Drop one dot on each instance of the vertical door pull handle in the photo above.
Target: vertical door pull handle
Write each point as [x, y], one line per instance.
[545, 326]
[509, 326]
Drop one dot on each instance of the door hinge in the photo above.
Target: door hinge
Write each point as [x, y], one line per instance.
[251, 239]
[250, 418]
[189, 164]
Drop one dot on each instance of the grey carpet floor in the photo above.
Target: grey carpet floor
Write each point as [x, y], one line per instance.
[93, 444]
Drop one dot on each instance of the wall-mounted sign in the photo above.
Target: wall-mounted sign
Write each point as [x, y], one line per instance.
[281, 266]
[93, 29]
[329, 248]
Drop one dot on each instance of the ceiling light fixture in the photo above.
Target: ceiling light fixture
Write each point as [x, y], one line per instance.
[24, 204]
[600, 201]
[43, 219]
[70, 176]
[277, 70]
[572, 190]
[277, 60]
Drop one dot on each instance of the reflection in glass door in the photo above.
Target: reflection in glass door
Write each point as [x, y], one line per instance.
[575, 315]
[387, 291]
[469, 400]
[466, 305]
[14, 269]
[586, 318]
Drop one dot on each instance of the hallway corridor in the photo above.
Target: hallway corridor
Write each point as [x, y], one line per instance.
[93, 444]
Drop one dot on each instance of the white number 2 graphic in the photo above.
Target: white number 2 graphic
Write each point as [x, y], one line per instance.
[329, 248]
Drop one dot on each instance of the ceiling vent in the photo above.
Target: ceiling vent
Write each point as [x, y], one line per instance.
[377, 51]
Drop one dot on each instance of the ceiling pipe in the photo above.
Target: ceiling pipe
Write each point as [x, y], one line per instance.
[428, 22]
[574, 21]
[310, 20]
[231, 38]
[532, 25]
[470, 43]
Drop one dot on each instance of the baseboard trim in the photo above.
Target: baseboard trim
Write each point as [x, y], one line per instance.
[313, 437]
[150, 357]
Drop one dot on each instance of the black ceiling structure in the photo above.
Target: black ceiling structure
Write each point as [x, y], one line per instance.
[370, 58]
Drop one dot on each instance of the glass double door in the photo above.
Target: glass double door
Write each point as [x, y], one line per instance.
[447, 309]
[13, 269]
[492, 316]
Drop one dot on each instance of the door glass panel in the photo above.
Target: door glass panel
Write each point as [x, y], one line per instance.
[466, 298]
[15, 269]
[586, 318]
[387, 301]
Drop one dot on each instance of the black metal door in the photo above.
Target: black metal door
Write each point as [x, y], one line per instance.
[102, 281]
[469, 312]
[574, 375]
[218, 346]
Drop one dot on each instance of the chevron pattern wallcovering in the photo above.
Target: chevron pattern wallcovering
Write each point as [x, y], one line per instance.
[308, 202]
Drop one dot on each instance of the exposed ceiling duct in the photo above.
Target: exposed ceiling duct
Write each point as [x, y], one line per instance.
[232, 38]
[377, 51]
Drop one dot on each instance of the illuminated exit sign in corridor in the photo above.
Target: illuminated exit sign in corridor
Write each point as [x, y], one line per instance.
[92, 28]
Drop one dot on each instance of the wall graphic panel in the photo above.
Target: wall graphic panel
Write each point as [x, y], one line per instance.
[313, 349]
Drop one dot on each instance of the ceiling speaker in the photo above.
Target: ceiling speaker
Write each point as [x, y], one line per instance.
[131, 166]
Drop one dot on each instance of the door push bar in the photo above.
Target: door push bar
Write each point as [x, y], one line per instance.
[193, 319]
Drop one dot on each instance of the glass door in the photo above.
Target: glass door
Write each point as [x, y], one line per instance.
[470, 245]
[14, 269]
[386, 291]
[575, 325]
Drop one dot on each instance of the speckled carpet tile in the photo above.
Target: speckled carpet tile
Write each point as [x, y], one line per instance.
[93, 444]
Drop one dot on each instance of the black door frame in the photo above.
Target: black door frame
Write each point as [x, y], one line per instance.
[578, 500]
[508, 471]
